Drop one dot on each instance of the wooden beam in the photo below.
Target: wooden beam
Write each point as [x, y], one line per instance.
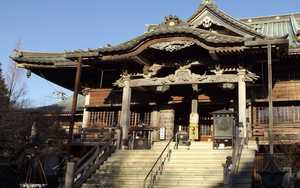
[214, 55]
[75, 97]
[224, 78]
[263, 43]
[139, 60]
[143, 45]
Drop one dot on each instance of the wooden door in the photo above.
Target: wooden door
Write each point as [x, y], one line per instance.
[205, 127]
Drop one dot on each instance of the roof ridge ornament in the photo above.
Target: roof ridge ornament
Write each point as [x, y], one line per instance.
[208, 2]
[171, 21]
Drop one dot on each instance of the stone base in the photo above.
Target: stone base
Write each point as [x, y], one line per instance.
[193, 131]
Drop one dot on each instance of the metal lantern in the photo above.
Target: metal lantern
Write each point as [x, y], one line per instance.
[224, 126]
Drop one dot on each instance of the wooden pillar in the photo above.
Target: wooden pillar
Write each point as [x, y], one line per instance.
[154, 122]
[194, 116]
[270, 97]
[34, 133]
[86, 113]
[242, 101]
[75, 97]
[167, 117]
[69, 176]
[125, 113]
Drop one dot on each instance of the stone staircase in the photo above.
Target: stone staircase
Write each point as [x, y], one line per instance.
[125, 168]
[201, 166]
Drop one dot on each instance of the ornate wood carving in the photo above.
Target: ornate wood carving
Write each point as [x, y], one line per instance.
[121, 82]
[184, 76]
[172, 46]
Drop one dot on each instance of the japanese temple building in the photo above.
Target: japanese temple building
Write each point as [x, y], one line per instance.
[181, 70]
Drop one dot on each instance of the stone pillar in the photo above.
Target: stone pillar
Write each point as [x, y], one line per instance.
[86, 113]
[194, 121]
[125, 112]
[154, 122]
[242, 101]
[167, 117]
[194, 116]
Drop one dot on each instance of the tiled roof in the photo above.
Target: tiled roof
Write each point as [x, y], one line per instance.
[213, 7]
[40, 58]
[214, 39]
[277, 26]
[175, 30]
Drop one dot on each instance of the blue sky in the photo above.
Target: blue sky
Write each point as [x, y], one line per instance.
[58, 25]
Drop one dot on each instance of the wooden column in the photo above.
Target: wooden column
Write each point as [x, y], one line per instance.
[154, 122]
[242, 101]
[69, 176]
[86, 113]
[125, 112]
[75, 97]
[194, 116]
[167, 117]
[270, 97]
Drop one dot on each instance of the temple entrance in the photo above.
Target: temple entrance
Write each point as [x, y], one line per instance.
[205, 129]
[182, 118]
[182, 114]
[205, 126]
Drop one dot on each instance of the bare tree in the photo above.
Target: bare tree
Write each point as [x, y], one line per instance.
[16, 84]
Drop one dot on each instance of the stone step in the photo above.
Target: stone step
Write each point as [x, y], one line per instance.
[194, 181]
[201, 186]
[109, 186]
[205, 165]
[115, 184]
[123, 173]
[112, 178]
[194, 175]
[209, 150]
[208, 171]
[126, 168]
[188, 176]
[201, 157]
[125, 163]
[188, 183]
[189, 186]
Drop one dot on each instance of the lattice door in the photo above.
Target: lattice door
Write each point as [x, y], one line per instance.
[205, 127]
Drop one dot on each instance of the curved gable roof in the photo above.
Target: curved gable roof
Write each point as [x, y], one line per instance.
[203, 38]
[209, 9]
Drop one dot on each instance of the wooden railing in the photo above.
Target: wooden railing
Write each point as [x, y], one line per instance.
[158, 166]
[77, 173]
